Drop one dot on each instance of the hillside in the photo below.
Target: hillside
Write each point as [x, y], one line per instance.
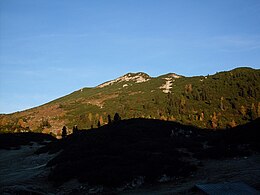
[225, 99]
[134, 156]
[146, 151]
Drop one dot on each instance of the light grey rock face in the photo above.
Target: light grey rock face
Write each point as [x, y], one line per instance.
[136, 77]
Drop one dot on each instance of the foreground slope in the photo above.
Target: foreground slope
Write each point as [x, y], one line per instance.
[149, 150]
[142, 156]
[225, 99]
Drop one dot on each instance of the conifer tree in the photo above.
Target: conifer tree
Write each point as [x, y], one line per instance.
[75, 129]
[64, 132]
[117, 117]
[109, 119]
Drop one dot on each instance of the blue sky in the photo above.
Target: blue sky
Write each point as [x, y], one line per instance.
[51, 48]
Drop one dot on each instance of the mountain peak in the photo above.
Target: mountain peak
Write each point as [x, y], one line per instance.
[132, 74]
[139, 77]
[172, 75]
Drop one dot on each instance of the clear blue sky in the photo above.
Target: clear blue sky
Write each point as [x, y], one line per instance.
[49, 48]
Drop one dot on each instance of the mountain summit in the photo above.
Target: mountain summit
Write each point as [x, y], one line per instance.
[139, 77]
[222, 100]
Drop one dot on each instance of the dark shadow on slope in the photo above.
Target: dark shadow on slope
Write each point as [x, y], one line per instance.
[239, 141]
[15, 140]
[115, 154]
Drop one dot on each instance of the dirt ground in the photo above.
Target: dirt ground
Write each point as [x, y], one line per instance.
[23, 171]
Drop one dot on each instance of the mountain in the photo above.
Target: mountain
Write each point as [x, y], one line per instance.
[225, 99]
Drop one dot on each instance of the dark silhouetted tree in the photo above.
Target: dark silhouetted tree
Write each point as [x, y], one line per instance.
[117, 117]
[109, 119]
[75, 129]
[64, 132]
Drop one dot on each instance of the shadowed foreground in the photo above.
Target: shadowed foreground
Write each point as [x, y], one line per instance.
[156, 156]
[151, 150]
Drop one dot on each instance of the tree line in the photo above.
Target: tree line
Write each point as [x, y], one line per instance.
[75, 129]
